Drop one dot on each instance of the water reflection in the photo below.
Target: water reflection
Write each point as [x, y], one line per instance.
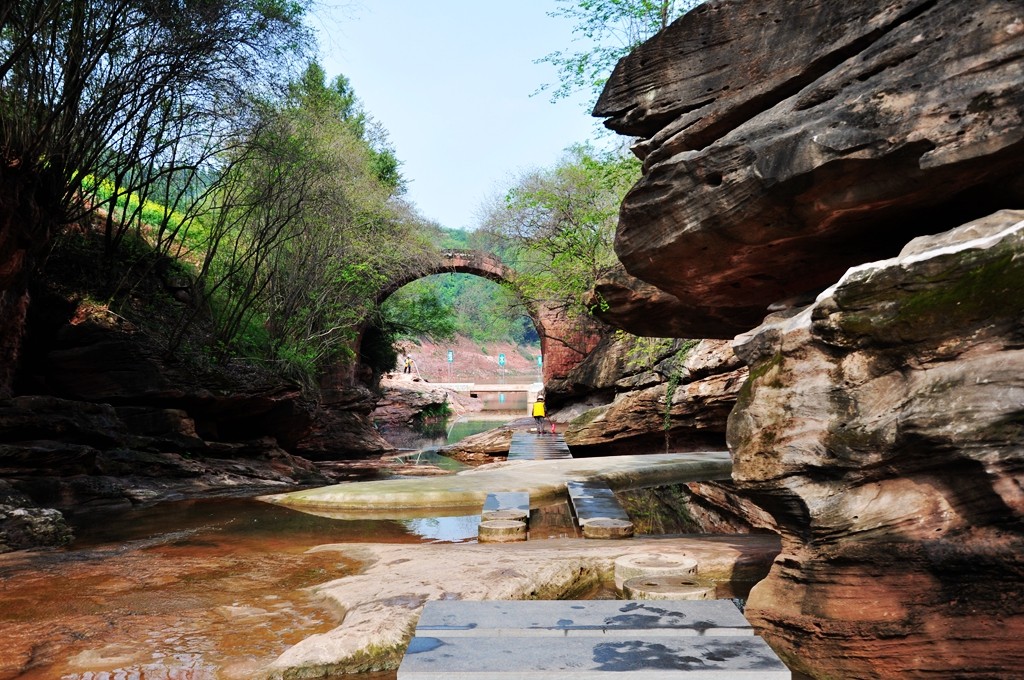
[445, 529]
[445, 432]
[195, 589]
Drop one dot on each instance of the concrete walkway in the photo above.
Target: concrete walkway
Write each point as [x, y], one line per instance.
[543, 479]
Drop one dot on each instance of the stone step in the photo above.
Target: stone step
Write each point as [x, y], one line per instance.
[619, 656]
[594, 500]
[561, 618]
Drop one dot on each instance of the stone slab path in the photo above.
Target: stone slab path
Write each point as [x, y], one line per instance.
[594, 500]
[549, 640]
[382, 604]
[617, 657]
[508, 500]
[543, 479]
[538, 446]
[563, 618]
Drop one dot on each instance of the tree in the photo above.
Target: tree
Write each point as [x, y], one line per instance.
[304, 230]
[117, 90]
[562, 222]
[611, 29]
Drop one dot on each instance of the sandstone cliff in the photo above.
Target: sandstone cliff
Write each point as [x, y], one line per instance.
[639, 396]
[785, 143]
[107, 420]
[882, 428]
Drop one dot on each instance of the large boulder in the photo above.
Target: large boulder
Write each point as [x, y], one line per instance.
[883, 428]
[787, 141]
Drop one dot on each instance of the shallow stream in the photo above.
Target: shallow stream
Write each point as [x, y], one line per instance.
[191, 590]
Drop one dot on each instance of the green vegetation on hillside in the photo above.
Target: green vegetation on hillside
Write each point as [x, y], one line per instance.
[197, 143]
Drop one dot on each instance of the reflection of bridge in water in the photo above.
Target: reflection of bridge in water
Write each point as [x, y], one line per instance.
[492, 394]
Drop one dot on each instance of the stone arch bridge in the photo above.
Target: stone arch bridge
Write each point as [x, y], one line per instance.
[562, 346]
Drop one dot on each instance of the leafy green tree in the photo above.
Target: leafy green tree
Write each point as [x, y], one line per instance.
[610, 29]
[561, 222]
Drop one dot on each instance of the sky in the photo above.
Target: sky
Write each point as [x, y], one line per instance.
[451, 83]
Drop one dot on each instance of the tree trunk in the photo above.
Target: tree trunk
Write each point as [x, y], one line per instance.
[30, 204]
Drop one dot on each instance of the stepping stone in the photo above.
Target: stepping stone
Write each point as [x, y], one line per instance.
[561, 618]
[735, 657]
[667, 588]
[605, 528]
[517, 515]
[652, 564]
[501, 531]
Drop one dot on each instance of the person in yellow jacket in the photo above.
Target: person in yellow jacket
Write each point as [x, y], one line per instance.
[538, 413]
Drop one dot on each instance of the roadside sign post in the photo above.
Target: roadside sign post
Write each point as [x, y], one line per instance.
[451, 360]
[501, 365]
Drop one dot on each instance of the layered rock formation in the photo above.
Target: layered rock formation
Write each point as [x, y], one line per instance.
[786, 141]
[113, 423]
[882, 428]
[78, 456]
[675, 396]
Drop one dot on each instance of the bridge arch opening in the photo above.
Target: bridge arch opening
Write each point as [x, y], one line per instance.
[563, 344]
[457, 327]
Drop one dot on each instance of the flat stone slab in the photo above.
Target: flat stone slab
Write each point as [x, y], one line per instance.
[542, 479]
[537, 446]
[735, 657]
[594, 500]
[561, 618]
[507, 500]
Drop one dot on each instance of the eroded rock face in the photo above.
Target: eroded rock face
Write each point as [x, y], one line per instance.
[787, 141]
[635, 306]
[677, 399]
[79, 456]
[882, 429]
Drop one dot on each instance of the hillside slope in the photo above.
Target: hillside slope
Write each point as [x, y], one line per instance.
[474, 362]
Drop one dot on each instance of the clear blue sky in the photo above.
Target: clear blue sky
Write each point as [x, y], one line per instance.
[450, 80]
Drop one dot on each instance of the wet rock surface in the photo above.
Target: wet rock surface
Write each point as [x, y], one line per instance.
[769, 171]
[880, 429]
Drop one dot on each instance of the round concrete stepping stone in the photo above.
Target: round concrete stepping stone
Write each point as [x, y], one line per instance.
[604, 527]
[502, 531]
[652, 564]
[667, 588]
[510, 513]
